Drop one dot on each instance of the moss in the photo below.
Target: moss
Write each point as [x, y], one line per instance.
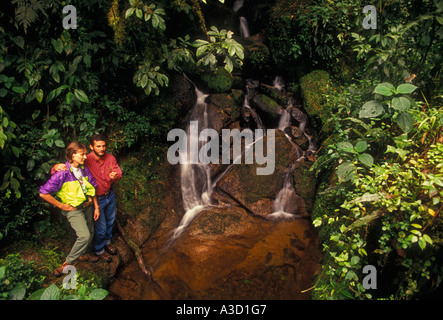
[219, 80]
[142, 182]
[314, 86]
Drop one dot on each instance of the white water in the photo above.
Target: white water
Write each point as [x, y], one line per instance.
[286, 194]
[285, 119]
[244, 28]
[196, 182]
[279, 83]
[238, 4]
[195, 178]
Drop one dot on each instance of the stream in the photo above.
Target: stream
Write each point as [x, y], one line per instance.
[241, 235]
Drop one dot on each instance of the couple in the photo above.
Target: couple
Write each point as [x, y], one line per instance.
[79, 187]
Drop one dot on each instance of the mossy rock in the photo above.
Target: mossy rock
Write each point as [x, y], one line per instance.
[218, 81]
[314, 86]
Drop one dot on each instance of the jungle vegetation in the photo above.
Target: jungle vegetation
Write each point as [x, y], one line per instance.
[379, 119]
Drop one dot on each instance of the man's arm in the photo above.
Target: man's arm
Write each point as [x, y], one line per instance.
[116, 172]
[96, 208]
[59, 167]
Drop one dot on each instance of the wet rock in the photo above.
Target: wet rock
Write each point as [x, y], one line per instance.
[125, 289]
[278, 95]
[223, 110]
[305, 184]
[268, 108]
[297, 136]
[227, 253]
[242, 186]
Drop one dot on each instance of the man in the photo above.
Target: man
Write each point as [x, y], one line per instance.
[106, 172]
[75, 191]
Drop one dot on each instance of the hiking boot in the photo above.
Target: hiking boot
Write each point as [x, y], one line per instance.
[88, 257]
[59, 271]
[111, 249]
[104, 256]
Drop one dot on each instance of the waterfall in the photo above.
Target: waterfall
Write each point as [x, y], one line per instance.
[284, 202]
[238, 4]
[244, 28]
[285, 119]
[195, 178]
[279, 83]
[283, 199]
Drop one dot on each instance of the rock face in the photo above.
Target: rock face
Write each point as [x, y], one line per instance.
[230, 250]
[228, 254]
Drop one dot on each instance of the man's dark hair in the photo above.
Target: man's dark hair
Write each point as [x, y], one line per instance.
[74, 147]
[97, 137]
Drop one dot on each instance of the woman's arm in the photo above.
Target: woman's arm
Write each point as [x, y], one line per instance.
[50, 199]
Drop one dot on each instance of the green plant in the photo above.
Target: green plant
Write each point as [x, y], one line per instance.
[221, 46]
[398, 106]
[387, 211]
[52, 292]
[17, 276]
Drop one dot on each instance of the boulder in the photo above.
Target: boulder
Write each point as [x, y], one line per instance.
[242, 186]
[269, 110]
[314, 87]
[227, 253]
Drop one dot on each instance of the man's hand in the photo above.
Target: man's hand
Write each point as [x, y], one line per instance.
[113, 175]
[60, 167]
[67, 207]
[96, 214]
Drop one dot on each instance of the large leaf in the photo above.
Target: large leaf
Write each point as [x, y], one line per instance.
[400, 104]
[405, 121]
[98, 294]
[361, 146]
[366, 159]
[385, 89]
[80, 95]
[18, 293]
[371, 109]
[406, 88]
[346, 171]
[345, 146]
[51, 293]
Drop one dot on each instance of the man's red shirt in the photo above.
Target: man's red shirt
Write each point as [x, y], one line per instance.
[101, 169]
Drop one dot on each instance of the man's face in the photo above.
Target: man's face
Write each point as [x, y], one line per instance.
[99, 148]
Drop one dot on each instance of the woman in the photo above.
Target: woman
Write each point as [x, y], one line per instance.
[75, 188]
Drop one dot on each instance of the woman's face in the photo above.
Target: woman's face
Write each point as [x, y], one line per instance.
[79, 157]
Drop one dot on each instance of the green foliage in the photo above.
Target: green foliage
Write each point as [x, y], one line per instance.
[397, 107]
[147, 13]
[386, 201]
[311, 33]
[407, 42]
[17, 276]
[220, 47]
[52, 292]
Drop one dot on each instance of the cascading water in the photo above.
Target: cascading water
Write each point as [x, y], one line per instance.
[244, 28]
[195, 178]
[238, 4]
[285, 197]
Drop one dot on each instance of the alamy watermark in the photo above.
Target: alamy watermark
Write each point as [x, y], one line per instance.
[187, 150]
[70, 281]
[370, 21]
[70, 21]
[370, 281]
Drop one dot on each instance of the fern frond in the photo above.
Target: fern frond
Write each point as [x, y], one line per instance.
[27, 11]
